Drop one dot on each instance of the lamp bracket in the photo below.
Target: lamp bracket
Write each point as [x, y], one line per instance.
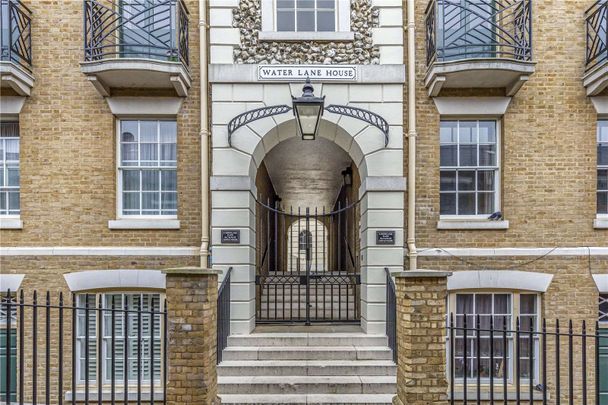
[254, 115]
[363, 115]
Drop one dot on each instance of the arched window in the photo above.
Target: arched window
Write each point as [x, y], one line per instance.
[305, 240]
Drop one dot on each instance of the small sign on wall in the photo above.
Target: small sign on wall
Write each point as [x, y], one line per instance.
[232, 236]
[385, 237]
[302, 72]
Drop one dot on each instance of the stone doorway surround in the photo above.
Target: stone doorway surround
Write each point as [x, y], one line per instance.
[235, 89]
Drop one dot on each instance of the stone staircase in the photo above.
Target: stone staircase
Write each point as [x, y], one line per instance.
[307, 368]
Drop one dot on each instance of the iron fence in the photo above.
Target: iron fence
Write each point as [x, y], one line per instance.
[391, 313]
[148, 29]
[16, 33]
[596, 19]
[491, 361]
[223, 315]
[467, 29]
[113, 347]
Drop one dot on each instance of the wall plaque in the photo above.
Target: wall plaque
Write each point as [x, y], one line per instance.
[231, 236]
[385, 237]
[302, 72]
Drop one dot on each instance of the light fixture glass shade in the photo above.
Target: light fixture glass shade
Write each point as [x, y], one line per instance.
[308, 110]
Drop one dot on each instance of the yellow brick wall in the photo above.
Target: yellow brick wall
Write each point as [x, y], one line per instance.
[68, 141]
[548, 144]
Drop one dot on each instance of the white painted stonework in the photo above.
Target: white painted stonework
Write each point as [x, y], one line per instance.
[115, 280]
[235, 168]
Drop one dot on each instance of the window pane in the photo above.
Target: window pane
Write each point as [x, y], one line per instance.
[448, 131]
[306, 20]
[129, 153]
[527, 304]
[286, 21]
[487, 132]
[448, 204]
[168, 153]
[3, 202]
[130, 180]
[448, 180]
[464, 303]
[305, 3]
[602, 154]
[1, 176]
[602, 131]
[149, 152]
[326, 4]
[148, 131]
[285, 3]
[168, 131]
[467, 133]
[468, 155]
[485, 180]
[602, 202]
[466, 204]
[150, 180]
[602, 179]
[13, 202]
[326, 21]
[130, 201]
[485, 203]
[12, 176]
[128, 131]
[149, 201]
[12, 149]
[448, 155]
[487, 155]
[466, 180]
[169, 202]
[169, 180]
[483, 304]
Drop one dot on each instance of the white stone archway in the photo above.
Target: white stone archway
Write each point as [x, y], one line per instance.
[233, 191]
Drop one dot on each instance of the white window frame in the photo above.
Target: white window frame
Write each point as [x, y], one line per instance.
[515, 312]
[341, 32]
[600, 215]
[4, 163]
[80, 346]
[119, 169]
[497, 178]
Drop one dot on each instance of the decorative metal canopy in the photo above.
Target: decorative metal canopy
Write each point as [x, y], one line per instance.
[353, 112]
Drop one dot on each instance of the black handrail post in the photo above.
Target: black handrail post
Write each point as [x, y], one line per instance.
[223, 315]
[7, 349]
[60, 359]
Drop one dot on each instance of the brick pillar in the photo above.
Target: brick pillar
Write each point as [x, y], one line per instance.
[421, 337]
[192, 318]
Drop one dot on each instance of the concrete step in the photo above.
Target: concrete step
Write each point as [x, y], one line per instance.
[308, 367]
[307, 339]
[307, 353]
[307, 384]
[326, 399]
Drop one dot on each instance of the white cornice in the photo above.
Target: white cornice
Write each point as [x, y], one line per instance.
[499, 279]
[562, 251]
[115, 280]
[100, 251]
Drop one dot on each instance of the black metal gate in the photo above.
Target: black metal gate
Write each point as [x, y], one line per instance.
[308, 264]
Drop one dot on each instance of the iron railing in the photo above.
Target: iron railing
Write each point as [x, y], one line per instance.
[468, 29]
[391, 313]
[45, 338]
[223, 315]
[596, 19]
[530, 362]
[16, 33]
[148, 29]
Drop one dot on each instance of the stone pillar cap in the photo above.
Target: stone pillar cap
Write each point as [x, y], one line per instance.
[191, 271]
[422, 273]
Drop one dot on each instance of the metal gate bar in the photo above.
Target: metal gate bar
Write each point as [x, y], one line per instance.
[320, 281]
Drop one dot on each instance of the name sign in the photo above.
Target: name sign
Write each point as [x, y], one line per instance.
[231, 236]
[302, 72]
[385, 237]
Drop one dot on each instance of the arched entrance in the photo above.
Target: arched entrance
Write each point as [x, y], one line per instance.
[237, 194]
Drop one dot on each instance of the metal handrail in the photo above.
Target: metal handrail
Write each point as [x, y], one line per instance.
[147, 29]
[16, 38]
[223, 315]
[596, 40]
[462, 29]
[391, 314]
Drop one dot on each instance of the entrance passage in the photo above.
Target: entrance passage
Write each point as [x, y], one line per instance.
[308, 264]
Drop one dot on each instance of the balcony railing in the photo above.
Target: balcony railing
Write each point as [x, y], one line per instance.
[478, 29]
[142, 29]
[16, 33]
[597, 23]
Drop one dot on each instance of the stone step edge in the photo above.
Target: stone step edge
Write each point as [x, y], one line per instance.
[342, 399]
[307, 348]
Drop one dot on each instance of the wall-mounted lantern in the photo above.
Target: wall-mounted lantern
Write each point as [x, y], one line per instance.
[347, 175]
[308, 110]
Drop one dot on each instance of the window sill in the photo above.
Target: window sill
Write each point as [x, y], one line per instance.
[474, 224]
[601, 222]
[107, 396]
[306, 36]
[11, 223]
[148, 223]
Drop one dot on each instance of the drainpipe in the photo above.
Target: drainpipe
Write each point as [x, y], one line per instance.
[411, 109]
[204, 252]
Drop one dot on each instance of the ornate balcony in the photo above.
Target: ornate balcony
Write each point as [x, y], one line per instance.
[478, 44]
[136, 44]
[16, 47]
[596, 58]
